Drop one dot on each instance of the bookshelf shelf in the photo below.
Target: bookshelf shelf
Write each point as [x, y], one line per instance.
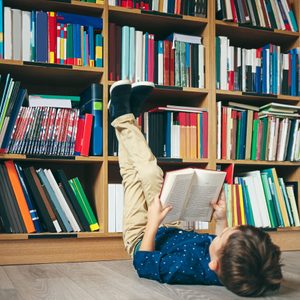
[72, 6]
[229, 95]
[258, 163]
[256, 37]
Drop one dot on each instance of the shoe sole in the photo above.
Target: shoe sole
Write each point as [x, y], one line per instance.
[143, 83]
[118, 83]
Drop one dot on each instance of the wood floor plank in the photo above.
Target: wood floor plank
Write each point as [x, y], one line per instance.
[117, 280]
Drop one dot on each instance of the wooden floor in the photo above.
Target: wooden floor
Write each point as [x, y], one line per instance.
[118, 280]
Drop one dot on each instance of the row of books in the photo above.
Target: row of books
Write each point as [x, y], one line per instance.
[179, 7]
[137, 56]
[266, 70]
[42, 201]
[94, 1]
[183, 132]
[115, 207]
[51, 37]
[262, 199]
[271, 132]
[263, 13]
[49, 125]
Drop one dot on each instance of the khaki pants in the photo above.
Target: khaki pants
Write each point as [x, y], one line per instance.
[142, 178]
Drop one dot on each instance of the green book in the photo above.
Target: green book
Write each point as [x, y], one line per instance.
[286, 200]
[254, 139]
[264, 138]
[182, 55]
[84, 203]
[177, 63]
[268, 195]
[250, 211]
[72, 98]
[70, 57]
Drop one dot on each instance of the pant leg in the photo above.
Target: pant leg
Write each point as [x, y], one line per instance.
[142, 178]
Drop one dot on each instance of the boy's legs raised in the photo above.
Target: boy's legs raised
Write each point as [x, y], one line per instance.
[142, 178]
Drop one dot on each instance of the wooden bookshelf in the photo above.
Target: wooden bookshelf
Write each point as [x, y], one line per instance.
[96, 172]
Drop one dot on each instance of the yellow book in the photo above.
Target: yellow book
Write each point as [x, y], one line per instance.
[243, 215]
[234, 206]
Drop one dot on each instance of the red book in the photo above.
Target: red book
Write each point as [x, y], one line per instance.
[166, 63]
[229, 174]
[235, 20]
[151, 57]
[205, 134]
[79, 134]
[57, 56]
[259, 142]
[117, 57]
[172, 65]
[86, 136]
[224, 132]
[51, 36]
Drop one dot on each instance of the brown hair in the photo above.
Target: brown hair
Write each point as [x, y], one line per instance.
[250, 262]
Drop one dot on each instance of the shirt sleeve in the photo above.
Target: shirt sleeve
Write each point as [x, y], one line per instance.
[147, 264]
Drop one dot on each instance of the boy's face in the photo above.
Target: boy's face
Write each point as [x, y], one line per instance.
[217, 244]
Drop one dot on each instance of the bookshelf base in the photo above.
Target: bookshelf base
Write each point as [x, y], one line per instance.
[286, 240]
[37, 251]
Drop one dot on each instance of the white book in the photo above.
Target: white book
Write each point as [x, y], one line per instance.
[191, 192]
[26, 50]
[160, 45]
[132, 47]
[292, 199]
[272, 137]
[243, 54]
[58, 43]
[201, 67]
[165, 6]
[230, 61]
[36, 101]
[138, 55]
[119, 207]
[229, 123]
[111, 207]
[7, 33]
[276, 15]
[155, 5]
[268, 70]
[178, 141]
[260, 14]
[223, 62]
[256, 201]
[144, 58]
[62, 200]
[16, 34]
[185, 38]
[292, 158]
[229, 14]
[297, 148]
[112, 2]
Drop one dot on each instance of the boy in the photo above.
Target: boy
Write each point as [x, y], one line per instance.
[242, 258]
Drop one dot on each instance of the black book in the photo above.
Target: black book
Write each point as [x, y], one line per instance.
[43, 213]
[13, 206]
[221, 11]
[62, 179]
[271, 14]
[255, 12]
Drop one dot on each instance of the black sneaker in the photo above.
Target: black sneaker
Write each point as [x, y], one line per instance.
[140, 92]
[119, 103]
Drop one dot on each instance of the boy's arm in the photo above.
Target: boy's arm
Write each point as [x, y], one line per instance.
[156, 214]
[220, 214]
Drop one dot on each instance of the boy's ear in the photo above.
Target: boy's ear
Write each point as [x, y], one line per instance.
[214, 265]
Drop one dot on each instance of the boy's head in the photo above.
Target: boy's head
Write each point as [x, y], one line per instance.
[246, 261]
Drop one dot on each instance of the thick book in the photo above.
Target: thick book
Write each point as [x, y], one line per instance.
[191, 192]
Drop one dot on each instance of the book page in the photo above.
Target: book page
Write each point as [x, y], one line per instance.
[205, 190]
[174, 193]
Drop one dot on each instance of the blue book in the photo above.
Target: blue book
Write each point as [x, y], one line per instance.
[258, 79]
[247, 213]
[33, 35]
[294, 72]
[125, 53]
[68, 18]
[85, 54]
[131, 53]
[15, 111]
[32, 210]
[62, 61]
[275, 71]
[287, 201]
[41, 37]
[53, 198]
[91, 46]
[293, 20]
[146, 35]
[99, 51]
[91, 102]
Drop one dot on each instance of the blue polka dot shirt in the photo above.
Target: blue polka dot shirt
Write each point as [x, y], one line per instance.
[180, 257]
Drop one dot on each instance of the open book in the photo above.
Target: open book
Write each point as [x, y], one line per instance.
[191, 193]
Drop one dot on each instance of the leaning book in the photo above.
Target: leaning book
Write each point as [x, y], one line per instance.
[191, 192]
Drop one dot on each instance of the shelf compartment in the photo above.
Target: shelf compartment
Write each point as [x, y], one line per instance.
[156, 22]
[166, 161]
[256, 37]
[36, 77]
[72, 6]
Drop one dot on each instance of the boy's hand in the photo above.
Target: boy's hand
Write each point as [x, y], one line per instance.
[220, 208]
[156, 213]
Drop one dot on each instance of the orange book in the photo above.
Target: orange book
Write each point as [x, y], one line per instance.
[18, 191]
